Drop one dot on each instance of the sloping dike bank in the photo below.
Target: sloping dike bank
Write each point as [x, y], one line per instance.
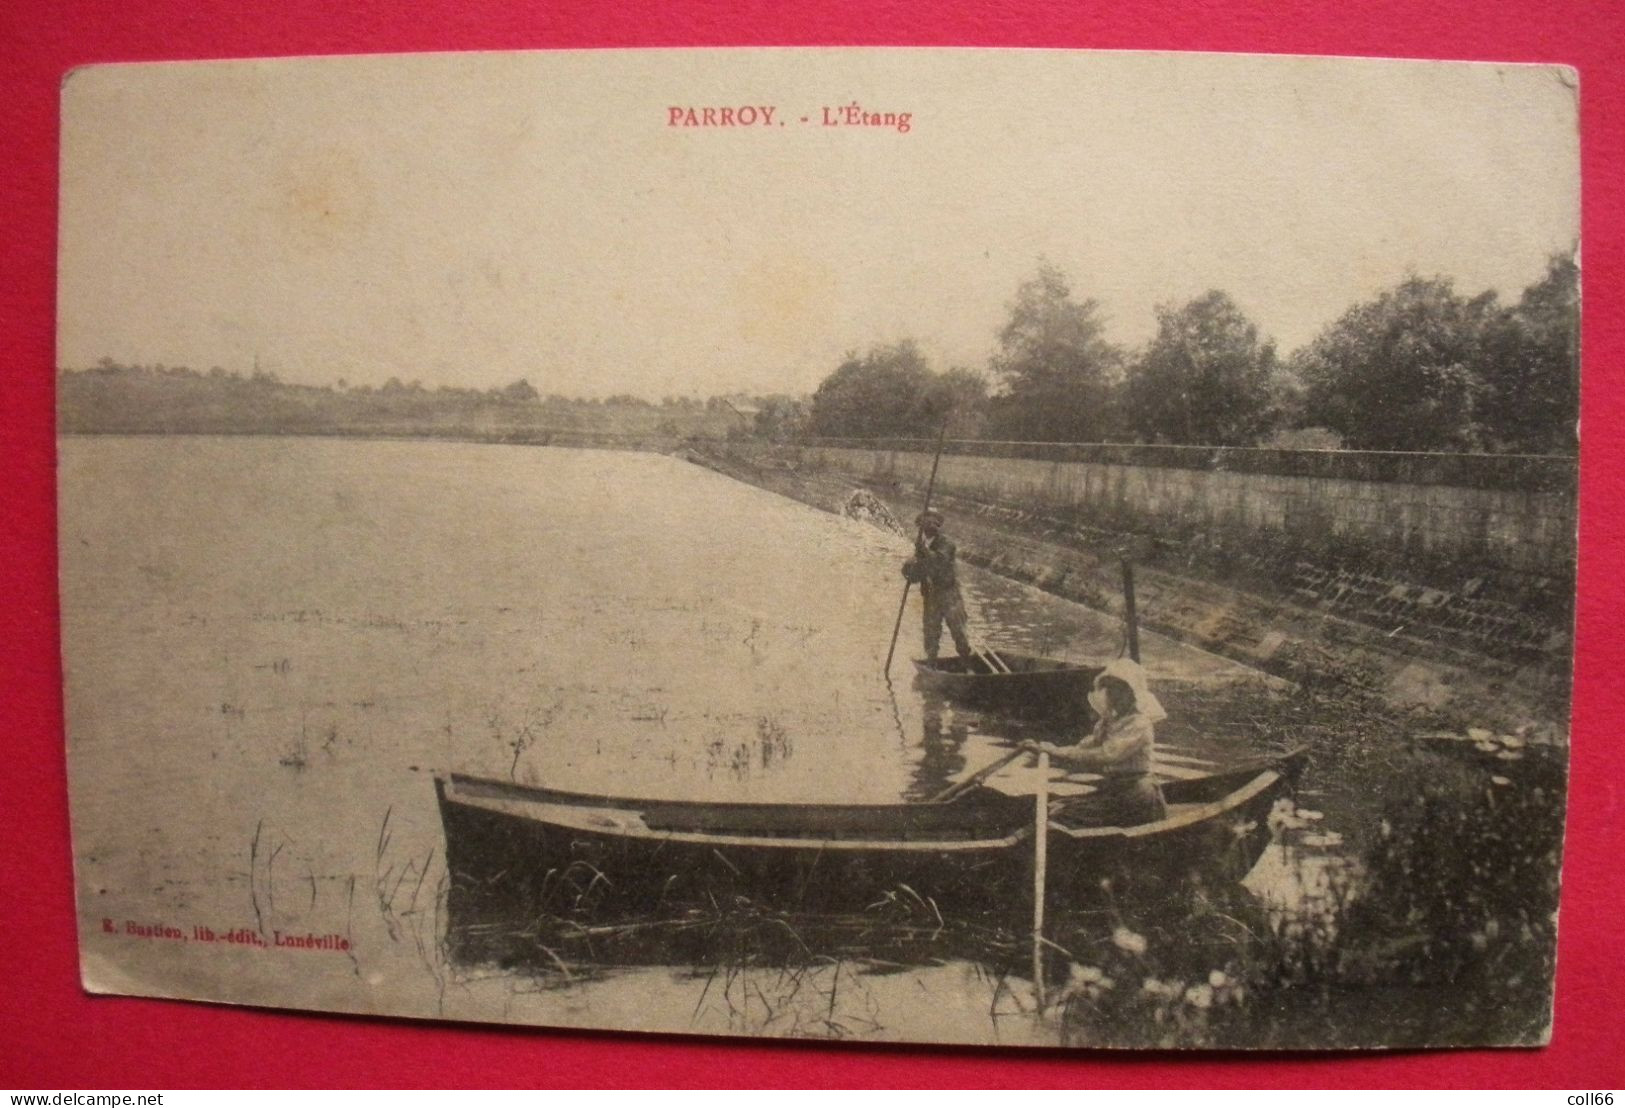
[1441, 585]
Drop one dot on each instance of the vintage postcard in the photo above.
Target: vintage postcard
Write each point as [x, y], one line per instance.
[992, 547]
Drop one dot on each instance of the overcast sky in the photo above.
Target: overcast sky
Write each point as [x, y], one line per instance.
[473, 219]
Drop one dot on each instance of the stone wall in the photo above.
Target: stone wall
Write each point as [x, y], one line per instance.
[1494, 513]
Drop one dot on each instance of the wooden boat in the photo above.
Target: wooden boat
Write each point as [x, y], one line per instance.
[561, 852]
[1008, 682]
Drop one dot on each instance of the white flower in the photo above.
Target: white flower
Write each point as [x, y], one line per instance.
[1162, 990]
[1200, 996]
[1127, 940]
[1281, 815]
[1088, 982]
[1217, 979]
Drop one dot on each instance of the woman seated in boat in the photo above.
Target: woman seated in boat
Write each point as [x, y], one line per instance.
[1119, 748]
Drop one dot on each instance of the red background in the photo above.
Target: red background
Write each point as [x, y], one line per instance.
[54, 1036]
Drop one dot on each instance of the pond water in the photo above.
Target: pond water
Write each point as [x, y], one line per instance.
[272, 645]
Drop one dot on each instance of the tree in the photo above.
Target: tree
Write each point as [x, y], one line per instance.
[1400, 372]
[888, 392]
[521, 391]
[780, 419]
[962, 394]
[1531, 365]
[1205, 379]
[1055, 366]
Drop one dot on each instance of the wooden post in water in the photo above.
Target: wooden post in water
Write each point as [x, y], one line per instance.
[1040, 865]
[1129, 615]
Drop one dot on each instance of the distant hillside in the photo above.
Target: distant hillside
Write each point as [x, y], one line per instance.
[114, 399]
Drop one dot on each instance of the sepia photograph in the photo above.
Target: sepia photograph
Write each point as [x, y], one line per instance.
[1002, 547]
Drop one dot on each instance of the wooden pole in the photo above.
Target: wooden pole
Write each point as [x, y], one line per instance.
[930, 485]
[1129, 613]
[976, 778]
[1040, 865]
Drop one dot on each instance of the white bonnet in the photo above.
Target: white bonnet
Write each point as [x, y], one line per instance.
[1129, 672]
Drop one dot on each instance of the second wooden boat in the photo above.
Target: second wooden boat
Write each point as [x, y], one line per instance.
[1011, 683]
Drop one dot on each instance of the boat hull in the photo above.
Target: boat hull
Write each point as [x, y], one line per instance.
[562, 854]
[1034, 687]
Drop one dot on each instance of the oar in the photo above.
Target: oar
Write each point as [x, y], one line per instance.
[919, 529]
[993, 661]
[981, 775]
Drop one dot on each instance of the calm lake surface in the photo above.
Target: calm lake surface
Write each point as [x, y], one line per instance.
[272, 645]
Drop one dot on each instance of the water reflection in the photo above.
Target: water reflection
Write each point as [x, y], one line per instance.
[942, 748]
[895, 969]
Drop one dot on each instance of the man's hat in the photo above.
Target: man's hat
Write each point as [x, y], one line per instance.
[929, 513]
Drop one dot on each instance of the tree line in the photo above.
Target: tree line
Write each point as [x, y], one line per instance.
[118, 397]
[1417, 367]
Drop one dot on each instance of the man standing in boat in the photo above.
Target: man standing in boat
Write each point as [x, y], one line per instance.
[932, 568]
